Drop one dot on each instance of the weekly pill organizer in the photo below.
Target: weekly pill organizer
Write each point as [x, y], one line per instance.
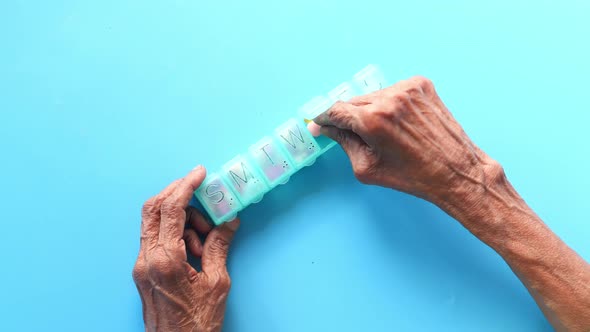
[275, 158]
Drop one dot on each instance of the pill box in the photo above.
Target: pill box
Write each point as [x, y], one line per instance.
[275, 158]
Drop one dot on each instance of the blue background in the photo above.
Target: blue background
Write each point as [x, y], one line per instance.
[103, 103]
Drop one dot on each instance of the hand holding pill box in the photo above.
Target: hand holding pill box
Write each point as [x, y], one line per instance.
[272, 160]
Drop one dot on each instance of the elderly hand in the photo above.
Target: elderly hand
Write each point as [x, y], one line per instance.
[175, 297]
[403, 137]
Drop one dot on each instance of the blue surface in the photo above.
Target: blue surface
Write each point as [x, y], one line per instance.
[105, 102]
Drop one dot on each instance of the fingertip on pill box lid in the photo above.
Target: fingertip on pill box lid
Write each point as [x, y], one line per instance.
[314, 129]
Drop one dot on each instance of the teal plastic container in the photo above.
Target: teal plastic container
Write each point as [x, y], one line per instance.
[271, 161]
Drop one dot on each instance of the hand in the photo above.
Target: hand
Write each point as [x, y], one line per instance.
[403, 137]
[175, 297]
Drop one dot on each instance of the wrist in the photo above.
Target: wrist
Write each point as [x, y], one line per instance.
[484, 201]
[172, 327]
[488, 206]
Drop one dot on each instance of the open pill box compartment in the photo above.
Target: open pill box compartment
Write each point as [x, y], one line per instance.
[275, 158]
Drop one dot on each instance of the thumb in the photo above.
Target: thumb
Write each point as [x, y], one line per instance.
[350, 142]
[216, 247]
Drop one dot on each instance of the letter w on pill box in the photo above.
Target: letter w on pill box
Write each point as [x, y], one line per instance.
[275, 158]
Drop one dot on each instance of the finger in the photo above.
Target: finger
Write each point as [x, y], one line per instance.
[150, 217]
[314, 129]
[197, 220]
[350, 142]
[342, 115]
[217, 246]
[192, 241]
[173, 212]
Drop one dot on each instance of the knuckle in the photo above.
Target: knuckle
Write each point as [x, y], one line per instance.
[171, 209]
[139, 272]
[424, 83]
[337, 113]
[414, 91]
[333, 111]
[338, 107]
[150, 206]
[373, 121]
[401, 99]
[221, 282]
[161, 266]
[364, 169]
[400, 105]
[219, 245]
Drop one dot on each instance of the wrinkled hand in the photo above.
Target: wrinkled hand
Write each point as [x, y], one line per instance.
[403, 137]
[175, 297]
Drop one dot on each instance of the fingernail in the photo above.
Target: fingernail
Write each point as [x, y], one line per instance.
[198, 168]
[314, 129]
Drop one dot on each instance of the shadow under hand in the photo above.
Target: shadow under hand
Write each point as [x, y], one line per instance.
[414, 237]
[437, 251]
[332, 169]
